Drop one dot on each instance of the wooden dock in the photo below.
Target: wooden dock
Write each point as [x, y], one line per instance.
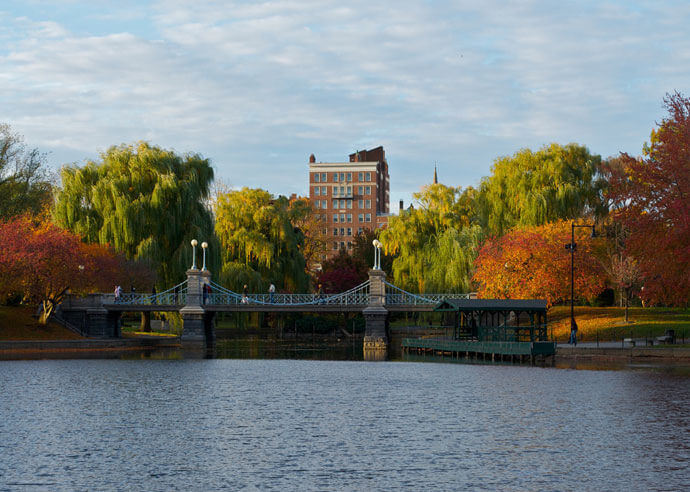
[483, 350]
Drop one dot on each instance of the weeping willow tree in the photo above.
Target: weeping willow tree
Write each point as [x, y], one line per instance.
[259, 243]
[533, 188]
[144, 201]
[435, 244]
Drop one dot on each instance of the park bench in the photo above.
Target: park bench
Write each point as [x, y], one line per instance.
[635, 341]
[668, 337]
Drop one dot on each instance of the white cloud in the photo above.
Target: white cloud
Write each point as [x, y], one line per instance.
[259, 86]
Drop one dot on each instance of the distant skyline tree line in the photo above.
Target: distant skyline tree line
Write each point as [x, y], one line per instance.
[505, 238]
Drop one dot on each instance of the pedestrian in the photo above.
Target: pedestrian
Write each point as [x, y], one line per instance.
[206, 289]
[154, 300]
[245, 299]
[175, 291]
[271, 292]
[118, 293]
[573, 332]
[319, 294]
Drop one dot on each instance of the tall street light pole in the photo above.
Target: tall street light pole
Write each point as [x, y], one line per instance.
[572, 247]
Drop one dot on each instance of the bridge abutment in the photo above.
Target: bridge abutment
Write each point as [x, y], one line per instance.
[376, 318]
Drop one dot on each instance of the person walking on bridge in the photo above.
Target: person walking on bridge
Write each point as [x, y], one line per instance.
[245, 299]
[271, 292]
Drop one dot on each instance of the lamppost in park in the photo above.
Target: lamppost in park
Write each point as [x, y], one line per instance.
[204, 245]
[377, 254]
[194, 242]
[572, 246]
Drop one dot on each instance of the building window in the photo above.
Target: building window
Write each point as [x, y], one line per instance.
[349, 176]
[349, 217]
[360, 230]
[342, 231]
[368, 176]
[324, 204]
[342, 191]
[367, 218]
[349, 231]
[335, 245]
[342, 218]
[324, 177]
[324, 231]
[335, 218]
[361, 218]
[349, 245]
[367, 204]
[360, 190]
[317, 190]
[324, 190]
[335, 231]
[342, 244]
[335, 177]
[361, 177]
[349, 191]
[335, 203]
[342, 177]
[368, 190]
[349, 204]
[343, 203]
[316, 177]
[317, 204]
[360, 203]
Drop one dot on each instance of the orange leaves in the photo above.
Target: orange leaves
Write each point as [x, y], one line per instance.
[42, 261]
[532, 263]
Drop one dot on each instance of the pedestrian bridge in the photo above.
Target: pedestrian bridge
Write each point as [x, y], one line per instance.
[198, 299]
[222, 299]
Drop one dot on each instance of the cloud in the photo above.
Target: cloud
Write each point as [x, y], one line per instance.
[258, 86]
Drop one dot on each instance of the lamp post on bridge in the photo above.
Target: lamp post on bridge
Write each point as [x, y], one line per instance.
[204, 246]
[572, 246]
[377, 254]
[194, 242]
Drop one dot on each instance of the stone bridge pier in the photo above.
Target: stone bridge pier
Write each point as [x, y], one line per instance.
[376, 318]
[198, 325]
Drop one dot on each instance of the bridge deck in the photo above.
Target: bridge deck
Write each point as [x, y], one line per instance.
[268, 308]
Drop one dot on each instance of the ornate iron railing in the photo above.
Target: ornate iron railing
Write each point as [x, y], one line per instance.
[397, 296]
[356, 296]
[175, 296]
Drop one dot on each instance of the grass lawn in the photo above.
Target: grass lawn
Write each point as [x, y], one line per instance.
[17, 323]
[610, 325]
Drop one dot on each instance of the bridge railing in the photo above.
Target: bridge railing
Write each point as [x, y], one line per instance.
[147, 299]
[397, 296]
[356, 296]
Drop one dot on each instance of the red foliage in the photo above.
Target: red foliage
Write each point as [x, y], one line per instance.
[42, 261]
[341, 273]
[532, 263]
[655, 195]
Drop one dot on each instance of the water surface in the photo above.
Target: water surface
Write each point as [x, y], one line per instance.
[327, 425]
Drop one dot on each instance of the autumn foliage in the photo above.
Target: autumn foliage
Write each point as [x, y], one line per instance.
[655, 194]
[532, 263]
[42, 262]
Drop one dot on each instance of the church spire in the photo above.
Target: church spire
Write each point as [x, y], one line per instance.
[435, 175]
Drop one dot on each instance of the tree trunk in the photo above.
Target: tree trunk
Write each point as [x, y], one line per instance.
[145, 321]
[45, 312]
[626, 306]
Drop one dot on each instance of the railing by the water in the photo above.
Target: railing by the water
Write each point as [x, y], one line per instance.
[175, 296]
[356, 296]
[397, 296]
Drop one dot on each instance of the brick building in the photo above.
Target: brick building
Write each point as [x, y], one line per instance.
[350, 196]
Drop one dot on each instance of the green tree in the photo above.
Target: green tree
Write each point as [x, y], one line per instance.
[534, 188]
[435, 244]
[24, 180]
[260, 244]
[144, 201]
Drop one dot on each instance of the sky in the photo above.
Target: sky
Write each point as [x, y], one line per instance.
[257, 87]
